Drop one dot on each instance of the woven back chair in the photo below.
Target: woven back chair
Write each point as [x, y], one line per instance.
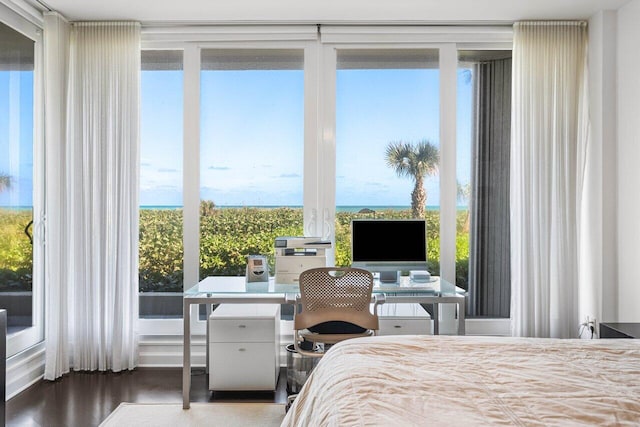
[335, 306]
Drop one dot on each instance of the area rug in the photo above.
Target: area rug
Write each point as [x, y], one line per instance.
[200, 414]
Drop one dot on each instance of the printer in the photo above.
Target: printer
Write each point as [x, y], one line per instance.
[297, 254]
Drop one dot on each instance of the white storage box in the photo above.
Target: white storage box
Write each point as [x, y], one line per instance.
[244, 341]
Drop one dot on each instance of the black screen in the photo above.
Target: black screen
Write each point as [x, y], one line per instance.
[388, 240]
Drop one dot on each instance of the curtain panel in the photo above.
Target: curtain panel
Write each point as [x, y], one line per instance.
[96, 288]
[56, 60]
[549, 140]
[489, 261]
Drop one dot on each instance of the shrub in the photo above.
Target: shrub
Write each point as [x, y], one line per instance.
[161, 250]
[16, 251]
[227, 236]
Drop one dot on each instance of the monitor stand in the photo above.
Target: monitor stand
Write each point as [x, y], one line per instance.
[388, 276]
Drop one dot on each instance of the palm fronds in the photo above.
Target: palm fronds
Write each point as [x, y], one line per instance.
[5, 181]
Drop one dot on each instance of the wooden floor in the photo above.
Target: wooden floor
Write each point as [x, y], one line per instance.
[86, 399]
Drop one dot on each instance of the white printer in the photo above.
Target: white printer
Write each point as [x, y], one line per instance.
[297, 254]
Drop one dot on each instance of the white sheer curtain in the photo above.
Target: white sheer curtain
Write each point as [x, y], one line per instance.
[92, 297]
[56, 59]
[549, 139]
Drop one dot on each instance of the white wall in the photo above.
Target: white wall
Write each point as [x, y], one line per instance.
[599, 296]
[628, 108]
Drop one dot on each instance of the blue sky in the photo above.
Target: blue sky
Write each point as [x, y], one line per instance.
[16, 136]
[375, 107]
[161, 129]
[251, 143]
[252, 135]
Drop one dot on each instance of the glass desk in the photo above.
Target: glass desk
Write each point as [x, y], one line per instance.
[235, 290]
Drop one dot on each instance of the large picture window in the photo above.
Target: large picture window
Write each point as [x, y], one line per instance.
[161, 222]
[21, 189]
[286, 137]
[16, 177]
[387, 105]
[251, 155]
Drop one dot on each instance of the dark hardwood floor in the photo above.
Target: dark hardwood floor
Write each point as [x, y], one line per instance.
[86, 399]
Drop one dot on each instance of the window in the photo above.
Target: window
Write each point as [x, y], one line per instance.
[286, 132]
[251, 154]
[386, 100]
[21, 263]
[16, 177]
[161, 224]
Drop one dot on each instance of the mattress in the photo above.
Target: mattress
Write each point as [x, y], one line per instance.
[472, 381]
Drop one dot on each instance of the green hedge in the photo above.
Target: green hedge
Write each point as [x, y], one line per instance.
[227, 236]
[16, 251]
[161, 250]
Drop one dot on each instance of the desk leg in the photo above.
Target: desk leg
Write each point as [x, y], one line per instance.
[186, 355]
[436, 318]
[461, 321]
[206, 352]
[432, 309]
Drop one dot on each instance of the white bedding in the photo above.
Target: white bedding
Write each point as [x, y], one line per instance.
[471, 381]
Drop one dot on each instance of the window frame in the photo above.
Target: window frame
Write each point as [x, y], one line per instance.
[303, 38]
[26, 338]
[448, 41]
[320, 44]
[140, 295]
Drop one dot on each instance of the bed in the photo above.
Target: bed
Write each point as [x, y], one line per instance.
[470, 381]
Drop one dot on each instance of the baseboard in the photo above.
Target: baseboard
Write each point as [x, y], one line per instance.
[166, 351]
[25, 369]
[158, 351]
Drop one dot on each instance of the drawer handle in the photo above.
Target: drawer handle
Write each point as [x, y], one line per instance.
[242, 349]
[242, 326]
[397, 326]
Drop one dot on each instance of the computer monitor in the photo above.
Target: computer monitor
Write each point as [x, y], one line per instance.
[389, 245]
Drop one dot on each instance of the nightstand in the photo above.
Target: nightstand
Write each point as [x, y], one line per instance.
[619, 330]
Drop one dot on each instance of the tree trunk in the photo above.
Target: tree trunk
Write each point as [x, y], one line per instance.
[467, 222]
[418, 198]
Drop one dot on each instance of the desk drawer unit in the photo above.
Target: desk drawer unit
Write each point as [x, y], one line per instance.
[244, 351]
[403, 319]
[239, 330]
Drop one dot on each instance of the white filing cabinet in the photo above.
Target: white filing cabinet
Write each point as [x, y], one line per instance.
[244, 347]
[403, 319]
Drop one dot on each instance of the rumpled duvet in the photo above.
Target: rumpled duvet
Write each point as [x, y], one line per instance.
[472, 381]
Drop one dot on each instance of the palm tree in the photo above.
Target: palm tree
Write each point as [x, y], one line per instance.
[415, 161]
[5, 181]
[207, 207]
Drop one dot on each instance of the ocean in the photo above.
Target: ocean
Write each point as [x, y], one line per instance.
[338, 208]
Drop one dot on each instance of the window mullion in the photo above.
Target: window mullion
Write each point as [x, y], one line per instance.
[191, 158]
[327, 157]
[448, 189]
[312, 140]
